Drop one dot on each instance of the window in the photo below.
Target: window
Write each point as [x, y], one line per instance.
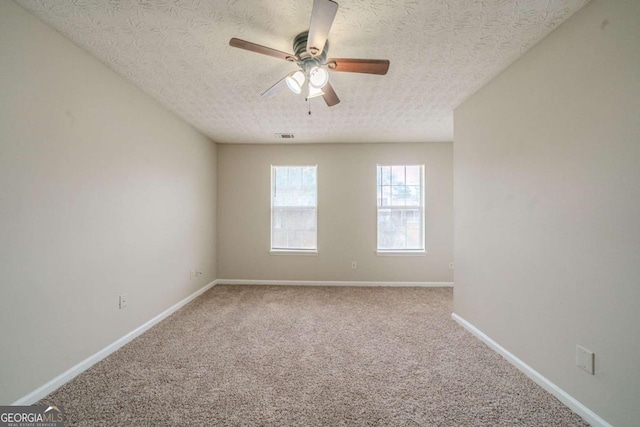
[294, 191]
[400, 193]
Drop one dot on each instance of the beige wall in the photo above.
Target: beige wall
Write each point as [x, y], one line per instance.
[547, 207]
[102, 192]
[346, 213]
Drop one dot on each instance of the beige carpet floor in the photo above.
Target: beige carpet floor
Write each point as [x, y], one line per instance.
[309, 356]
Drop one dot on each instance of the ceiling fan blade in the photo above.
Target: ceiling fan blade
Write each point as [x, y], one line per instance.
[276, 88]
[367, 66]
[322, 16]
[330, 96]
[243, 44]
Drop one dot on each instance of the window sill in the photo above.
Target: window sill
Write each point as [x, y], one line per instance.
[293, 252]
[401, 253]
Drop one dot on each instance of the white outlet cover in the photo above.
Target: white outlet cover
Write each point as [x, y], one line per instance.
[585, 359]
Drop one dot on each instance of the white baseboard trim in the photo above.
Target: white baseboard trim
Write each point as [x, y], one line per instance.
[331, 283]
[587, 414]
[72, 372]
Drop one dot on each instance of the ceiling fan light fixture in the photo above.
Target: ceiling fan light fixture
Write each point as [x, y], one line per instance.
[318, 77]
[295, 81]
[314, 92]
[310, 54]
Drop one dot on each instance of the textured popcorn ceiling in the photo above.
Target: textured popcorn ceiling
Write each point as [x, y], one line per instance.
[177, 51]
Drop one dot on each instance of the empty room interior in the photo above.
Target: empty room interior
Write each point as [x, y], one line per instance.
[310, 212]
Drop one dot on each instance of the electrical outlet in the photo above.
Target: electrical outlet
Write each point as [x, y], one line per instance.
[451, 265]
[585, 360]
[354, 265]
[194, 273]
[123, 301]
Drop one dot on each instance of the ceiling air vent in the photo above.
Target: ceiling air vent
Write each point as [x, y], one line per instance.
[284, 135]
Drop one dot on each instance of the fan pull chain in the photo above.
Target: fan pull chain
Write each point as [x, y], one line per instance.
[309, 102]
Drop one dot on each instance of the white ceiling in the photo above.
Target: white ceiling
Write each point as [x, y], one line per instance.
[441, 52]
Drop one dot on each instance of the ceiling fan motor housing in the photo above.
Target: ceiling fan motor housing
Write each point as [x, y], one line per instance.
[307, 60]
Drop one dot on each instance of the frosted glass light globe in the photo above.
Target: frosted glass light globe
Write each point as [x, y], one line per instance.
[295, 81]
[318, 77]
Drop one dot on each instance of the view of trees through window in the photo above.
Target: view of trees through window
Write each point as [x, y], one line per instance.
[293, 207]
[400, 208]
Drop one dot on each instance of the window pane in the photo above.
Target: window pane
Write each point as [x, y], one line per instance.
[309, 180]
[279, 238]
[386, 175]
[399, 229]
[281, 176]
[397, 175]
[413, 195]
[303, 239]
[399, 195]
[385, 229]
[413, 175]
[295, 178]
[294, 228]
[391, 233]
[386, 195]
[414, 229]
[294, 186]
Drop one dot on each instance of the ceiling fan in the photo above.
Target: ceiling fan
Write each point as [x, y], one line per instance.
[310, 47]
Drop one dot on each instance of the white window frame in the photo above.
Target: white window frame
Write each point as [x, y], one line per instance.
[292, 251]
[403, 252]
